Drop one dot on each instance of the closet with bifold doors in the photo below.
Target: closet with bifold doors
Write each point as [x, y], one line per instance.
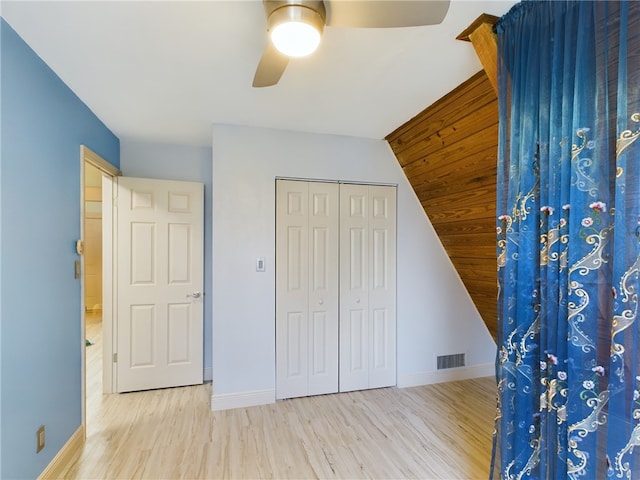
[335, 287]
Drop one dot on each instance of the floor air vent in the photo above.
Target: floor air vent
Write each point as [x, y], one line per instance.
[450, 361]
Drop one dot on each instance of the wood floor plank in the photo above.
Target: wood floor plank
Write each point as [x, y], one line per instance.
[438, 431]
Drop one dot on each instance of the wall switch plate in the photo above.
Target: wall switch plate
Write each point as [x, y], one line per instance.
[40, 440]
[260, 264]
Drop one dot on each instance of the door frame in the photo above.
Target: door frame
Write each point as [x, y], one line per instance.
[89, 156]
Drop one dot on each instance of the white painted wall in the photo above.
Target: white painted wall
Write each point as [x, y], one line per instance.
[435, 314]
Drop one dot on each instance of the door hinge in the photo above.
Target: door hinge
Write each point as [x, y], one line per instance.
[115, 357]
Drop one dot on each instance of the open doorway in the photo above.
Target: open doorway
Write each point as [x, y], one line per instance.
[92, 240]
[92, 279]
[94, 227]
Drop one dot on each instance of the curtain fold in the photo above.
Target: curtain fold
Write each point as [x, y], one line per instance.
[568, 241]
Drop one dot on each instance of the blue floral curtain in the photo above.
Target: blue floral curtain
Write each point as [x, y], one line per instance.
[568, 228]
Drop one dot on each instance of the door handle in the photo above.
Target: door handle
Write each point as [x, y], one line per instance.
[194, 295]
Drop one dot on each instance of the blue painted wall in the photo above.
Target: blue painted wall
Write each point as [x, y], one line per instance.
[178, 162]
[1, 28]
[43, 125]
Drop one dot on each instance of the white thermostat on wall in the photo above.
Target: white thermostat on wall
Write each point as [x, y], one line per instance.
[260, 266]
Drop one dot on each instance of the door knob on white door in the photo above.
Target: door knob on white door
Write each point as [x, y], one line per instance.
[357, 300]
[194, 294]
[320, 302]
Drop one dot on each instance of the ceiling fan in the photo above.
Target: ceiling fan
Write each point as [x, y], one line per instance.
[295, 26]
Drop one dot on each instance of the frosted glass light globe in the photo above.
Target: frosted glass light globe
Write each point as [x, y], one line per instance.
[295, 39]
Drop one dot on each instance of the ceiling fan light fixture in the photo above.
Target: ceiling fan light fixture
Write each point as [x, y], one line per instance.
[295, 30]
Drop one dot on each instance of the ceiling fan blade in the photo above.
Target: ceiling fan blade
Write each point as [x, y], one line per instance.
[385, 13]
[271, 67]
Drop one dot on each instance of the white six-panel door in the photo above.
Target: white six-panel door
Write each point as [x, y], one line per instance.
[307, 289]
[335, 287]
[367, 287]
[159, 313]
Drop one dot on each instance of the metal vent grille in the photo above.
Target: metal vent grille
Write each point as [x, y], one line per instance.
[451, 361]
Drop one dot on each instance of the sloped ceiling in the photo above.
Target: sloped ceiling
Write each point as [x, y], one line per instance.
[166, 71]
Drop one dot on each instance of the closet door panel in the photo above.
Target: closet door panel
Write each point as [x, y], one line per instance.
[306, 288]
[323, 291]
[354, 287]
[292, 291]
[367, 287]
[382, 286]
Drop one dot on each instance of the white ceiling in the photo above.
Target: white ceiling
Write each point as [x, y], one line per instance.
[166, 71]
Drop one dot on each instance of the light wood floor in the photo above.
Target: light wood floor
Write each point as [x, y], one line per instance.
[433, 432]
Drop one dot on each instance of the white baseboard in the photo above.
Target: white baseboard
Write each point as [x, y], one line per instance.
[254, 398]
[65, 456]
[208, 374]
[228, 401]
[446, 375]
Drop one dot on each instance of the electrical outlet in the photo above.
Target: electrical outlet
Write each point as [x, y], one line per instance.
[40, 439]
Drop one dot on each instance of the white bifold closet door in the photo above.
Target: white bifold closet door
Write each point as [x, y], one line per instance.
[367, 287]
[307, 288]
[335, 287]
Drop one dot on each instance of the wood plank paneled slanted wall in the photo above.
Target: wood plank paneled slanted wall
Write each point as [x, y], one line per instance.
[448, 152]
